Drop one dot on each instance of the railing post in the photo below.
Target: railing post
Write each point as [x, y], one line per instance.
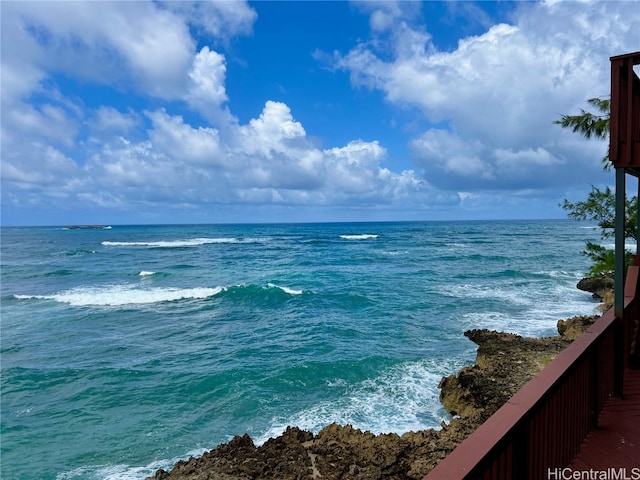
[638, 224]
[595, 387]
[618, 363]
[521, 451]
[619, 242]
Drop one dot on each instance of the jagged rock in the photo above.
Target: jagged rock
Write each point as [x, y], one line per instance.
[597, 286]
[573, 327]
[504, 362]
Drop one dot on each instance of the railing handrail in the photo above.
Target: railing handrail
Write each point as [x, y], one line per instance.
[495, 440]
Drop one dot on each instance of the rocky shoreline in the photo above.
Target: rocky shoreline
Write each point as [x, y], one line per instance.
[504, 362]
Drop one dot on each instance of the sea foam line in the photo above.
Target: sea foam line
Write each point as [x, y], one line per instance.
[403, 398]
[118, 295]
[191, 242]
[123, 471]
[288, 290]
[361, 236]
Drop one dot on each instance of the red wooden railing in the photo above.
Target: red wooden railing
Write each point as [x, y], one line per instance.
[543, 425]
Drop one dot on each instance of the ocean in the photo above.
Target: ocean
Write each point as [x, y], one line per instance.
[126, 349]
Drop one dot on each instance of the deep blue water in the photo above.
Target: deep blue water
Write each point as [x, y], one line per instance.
[126, 349]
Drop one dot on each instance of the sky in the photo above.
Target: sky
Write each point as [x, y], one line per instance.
[154, 112]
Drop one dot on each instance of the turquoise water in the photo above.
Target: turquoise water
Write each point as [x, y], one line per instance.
[126, 349]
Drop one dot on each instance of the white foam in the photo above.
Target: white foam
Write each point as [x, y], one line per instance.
[362, 236]
[394, 253]
[496, 321]
[535, 318]
[191, 242]
[486, 291]
[457, 245]
[559, 274]
[290, 291]
[145, 273]
[118, 295]
[404, 398]
[124, 472]
[25, 297]
[627, 246]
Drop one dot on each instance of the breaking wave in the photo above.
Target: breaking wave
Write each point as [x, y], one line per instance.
[191, 242]
[118, 295]
[122, 295]
[361, 236]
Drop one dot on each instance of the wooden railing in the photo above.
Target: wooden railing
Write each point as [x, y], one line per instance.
[543, 425]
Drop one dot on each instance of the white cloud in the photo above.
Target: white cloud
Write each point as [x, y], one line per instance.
[275, 151]
[220, 19]
[448, 161]
[275, 131]
[50, 121]
[46, 169]
[269, 160]
[447, 154]
[500, 91]
[147, 47]
[107, 119]
[183, 143]
[355, 168]
[141, 46]
[207, 77]
[128, 44]
[206, 91]
[131, 47]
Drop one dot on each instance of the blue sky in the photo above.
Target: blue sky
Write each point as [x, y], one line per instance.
[214, 112]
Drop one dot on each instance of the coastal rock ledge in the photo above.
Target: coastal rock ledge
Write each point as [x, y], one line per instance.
[504, 362]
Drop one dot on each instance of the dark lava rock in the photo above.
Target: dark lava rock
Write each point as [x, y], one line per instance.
[573, 327]
[597, 286]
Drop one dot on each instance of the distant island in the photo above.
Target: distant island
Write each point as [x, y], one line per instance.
[86, 227]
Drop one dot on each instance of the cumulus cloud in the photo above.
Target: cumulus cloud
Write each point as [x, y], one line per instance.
[354, 168]
[51, 169]
[219, 19]
[268, 160]
[178, 143]
[140, 48]
[108, 120]
[499, 91]
[207, 78]
[206, 91]
[133, 46]
[129, 44]
[183, 143]
[275, 131]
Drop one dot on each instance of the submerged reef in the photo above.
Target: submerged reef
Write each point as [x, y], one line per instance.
[504, 362]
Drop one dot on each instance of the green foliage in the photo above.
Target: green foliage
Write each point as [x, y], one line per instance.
[600, 205]
[603, 259]
[590, 125]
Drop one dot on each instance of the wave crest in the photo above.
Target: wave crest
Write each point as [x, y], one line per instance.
[360, 236]
[119, 295]
[190, 242]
